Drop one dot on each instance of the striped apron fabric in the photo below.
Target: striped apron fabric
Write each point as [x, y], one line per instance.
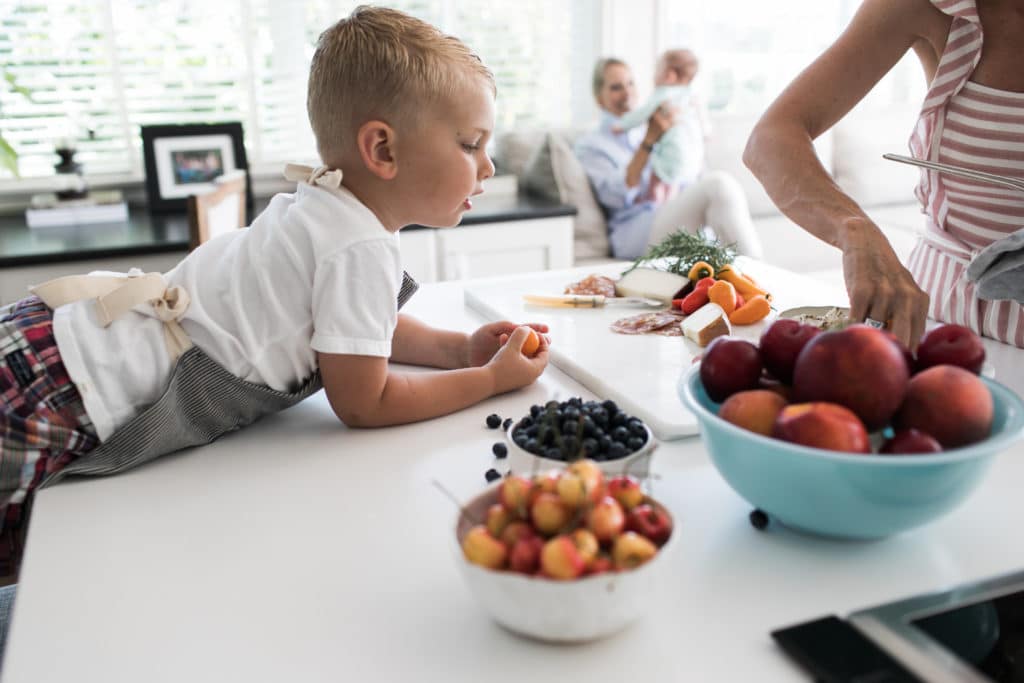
[967, 124]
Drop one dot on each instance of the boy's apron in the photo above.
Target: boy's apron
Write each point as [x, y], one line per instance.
[202, 400]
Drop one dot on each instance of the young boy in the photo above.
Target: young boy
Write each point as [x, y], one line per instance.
[102, 372]
[673, 74]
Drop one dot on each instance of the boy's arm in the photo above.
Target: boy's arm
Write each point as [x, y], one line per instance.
[363, 392]
[416, 343]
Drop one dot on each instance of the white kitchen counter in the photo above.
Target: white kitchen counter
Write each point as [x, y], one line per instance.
[299, 550]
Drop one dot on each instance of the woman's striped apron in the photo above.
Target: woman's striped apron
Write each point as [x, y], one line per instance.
[967, 124]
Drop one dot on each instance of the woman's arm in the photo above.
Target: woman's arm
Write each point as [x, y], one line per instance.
[780, 153]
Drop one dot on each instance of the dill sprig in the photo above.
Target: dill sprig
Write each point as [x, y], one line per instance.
[683, 249]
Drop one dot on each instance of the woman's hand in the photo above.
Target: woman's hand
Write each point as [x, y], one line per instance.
[880, 287]
[485, 342]
[510, 368]
[663, 118]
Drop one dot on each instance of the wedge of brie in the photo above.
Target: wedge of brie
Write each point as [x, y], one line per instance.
[651, 283]
[706, 323]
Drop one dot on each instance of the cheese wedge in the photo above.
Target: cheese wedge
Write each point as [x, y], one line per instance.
[651, 283]
[706, 323]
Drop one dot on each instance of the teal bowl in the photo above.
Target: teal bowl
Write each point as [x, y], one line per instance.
[846, 495]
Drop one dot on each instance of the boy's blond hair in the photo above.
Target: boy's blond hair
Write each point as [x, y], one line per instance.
[381, 64]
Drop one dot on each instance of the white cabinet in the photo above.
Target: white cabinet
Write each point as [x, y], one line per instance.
[488, 249]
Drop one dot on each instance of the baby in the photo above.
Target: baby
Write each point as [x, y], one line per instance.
[100, 373]
[674, 72]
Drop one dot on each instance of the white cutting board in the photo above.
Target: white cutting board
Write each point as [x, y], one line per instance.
[638, 372]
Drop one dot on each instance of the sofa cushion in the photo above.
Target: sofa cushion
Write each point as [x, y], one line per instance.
[590, 230]
[860, 140]
[538, 176]
[513, 149]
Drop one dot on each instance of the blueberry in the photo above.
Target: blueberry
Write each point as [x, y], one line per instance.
[506, 424]
[491, 475]
[521, 440]
[617, 450]
[759, 519]
[535, 410]
[570, 446]
[526, 421]
[532, 430]
[571, 413]
[500, 450]
[493, 421]
[635, 443]
[589, 428]
[599, 415]
[604, 442]
[552, 406]
[620, 434]
[533, 446]
[637, 428]
[590, 447]
[575, 401]
[617, 420]
[554, 453]
[610, 407]
[570, 426]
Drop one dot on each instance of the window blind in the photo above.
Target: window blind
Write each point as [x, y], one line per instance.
[110, 66]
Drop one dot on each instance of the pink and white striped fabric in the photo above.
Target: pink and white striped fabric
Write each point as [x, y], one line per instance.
[967, 124]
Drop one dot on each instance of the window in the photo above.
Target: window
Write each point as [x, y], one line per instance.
[109, 66]
[750, 49]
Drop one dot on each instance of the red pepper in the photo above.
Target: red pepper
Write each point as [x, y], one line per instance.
[678, 304]
[695, 299]
[704, 283]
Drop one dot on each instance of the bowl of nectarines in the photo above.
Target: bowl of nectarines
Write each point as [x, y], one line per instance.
[567, 555]
[846, 433]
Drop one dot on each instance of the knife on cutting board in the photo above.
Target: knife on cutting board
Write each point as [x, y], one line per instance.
[590, 301]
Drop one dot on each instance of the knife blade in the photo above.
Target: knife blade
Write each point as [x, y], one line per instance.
[589, 300]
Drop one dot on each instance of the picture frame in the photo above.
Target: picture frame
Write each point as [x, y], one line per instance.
[184, 159]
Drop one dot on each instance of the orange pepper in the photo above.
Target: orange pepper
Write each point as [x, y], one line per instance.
[744, 284]
[756, 308]
[723, 294]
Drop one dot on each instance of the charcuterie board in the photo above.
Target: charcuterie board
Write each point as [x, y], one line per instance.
[639, 372]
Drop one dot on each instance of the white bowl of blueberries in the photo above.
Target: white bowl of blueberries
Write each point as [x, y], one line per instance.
[559, 432]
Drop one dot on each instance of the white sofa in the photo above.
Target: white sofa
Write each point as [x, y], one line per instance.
[852, 151]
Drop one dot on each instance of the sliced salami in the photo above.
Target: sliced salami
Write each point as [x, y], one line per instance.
[659, 322]
[593, 285]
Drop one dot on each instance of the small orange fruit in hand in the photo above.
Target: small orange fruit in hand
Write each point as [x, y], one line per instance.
[531, 344]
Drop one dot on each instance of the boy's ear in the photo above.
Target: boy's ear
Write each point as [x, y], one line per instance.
[376, 143]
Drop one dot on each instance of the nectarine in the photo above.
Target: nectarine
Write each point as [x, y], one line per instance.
[948, 402]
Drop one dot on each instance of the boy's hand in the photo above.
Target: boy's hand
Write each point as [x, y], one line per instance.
[485, 342]
[511, 369]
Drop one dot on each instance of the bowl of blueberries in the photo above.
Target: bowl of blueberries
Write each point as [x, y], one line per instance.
[559, 432]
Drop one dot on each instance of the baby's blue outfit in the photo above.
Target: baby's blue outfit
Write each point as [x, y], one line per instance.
[667, 159]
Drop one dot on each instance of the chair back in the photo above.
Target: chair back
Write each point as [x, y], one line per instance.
[218, 211]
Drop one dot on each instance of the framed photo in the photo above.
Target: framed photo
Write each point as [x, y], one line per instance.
[183, 160]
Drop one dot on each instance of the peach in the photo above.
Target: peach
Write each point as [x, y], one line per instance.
[822, 425]
[481, 548]
[907, 441]
[858, 367]
[560, 559]
[948, 402]
[755, 409]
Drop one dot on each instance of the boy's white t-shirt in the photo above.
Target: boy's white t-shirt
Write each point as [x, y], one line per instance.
[316, 271]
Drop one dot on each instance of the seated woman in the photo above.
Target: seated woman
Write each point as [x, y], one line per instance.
[618, 165]
[973, 116]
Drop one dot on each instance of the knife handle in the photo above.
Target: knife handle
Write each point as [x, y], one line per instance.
[565, 300]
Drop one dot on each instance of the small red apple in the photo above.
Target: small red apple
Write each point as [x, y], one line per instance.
[516, 530]
[498, 517]
[651, 522]
[911, 441]
[729, 365]
[514, 494]
[600, 565]
[781, 343]
[587, 543]
[951, 345]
